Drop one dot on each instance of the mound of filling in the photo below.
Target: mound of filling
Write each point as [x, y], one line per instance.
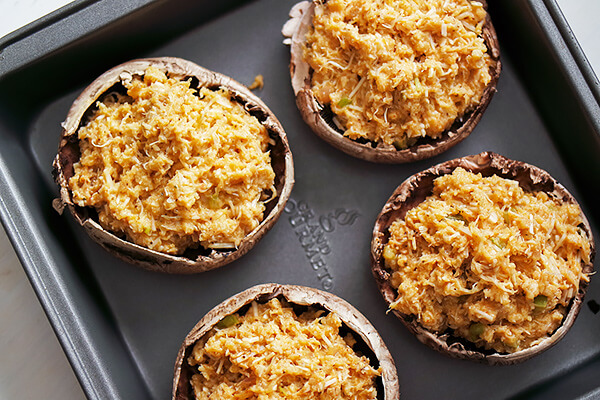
[493, 263]
[171, 167]
[394, 71]
[272, 353]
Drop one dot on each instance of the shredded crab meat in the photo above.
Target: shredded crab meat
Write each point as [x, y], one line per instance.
[496, 265]
[171, 167]
[273, 353]
[425, 62]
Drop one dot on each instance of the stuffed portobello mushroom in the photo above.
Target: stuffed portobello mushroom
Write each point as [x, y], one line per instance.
[392, 82]
[484, 258]
[284, 342]
[171, 166]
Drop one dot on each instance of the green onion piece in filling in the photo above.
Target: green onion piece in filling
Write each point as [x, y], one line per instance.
[457, 217]
[228, 321]
[213, 201]
[509, 215]
[540, 301]
[344, 101]
[476, 330]
[498, 243]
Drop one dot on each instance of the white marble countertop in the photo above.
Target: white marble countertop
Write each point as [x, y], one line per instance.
[32, 364]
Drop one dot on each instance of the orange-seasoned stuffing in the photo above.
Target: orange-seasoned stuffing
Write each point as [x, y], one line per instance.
[394, 71]
[493, 263]
[170, 167]
[272, 353]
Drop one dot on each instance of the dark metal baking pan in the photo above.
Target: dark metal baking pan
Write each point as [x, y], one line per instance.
[121, 326]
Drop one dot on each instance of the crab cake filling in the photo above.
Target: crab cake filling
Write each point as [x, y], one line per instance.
[496, 265]
[271, 352]
[171, 167]
[393, 71]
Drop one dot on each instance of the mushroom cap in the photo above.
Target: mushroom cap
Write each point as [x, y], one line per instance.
[413, 191]
[316, 116]
[300, 296]
[193, 260]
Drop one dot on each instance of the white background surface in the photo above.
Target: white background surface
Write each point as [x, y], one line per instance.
[32, 364]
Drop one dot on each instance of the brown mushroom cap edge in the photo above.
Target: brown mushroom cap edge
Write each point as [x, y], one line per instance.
[193, 260]
[314, 113]
[413, 191]
[296, 295]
